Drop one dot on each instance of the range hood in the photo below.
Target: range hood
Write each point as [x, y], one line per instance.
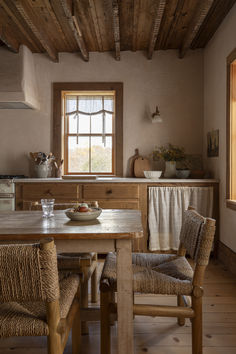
[18, 87]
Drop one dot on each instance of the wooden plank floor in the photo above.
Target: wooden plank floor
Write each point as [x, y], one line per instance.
[162, 335]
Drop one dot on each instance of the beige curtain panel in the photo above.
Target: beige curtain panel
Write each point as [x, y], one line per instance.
[166, 210]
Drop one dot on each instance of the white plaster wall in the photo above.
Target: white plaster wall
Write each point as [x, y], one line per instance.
[215, 54]
[175, 85]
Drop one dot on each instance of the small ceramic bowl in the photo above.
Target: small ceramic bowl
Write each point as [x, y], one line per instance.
[83, 216]
[152, 174]
[182, 173]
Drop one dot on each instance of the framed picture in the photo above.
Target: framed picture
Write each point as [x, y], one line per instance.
[213, 143]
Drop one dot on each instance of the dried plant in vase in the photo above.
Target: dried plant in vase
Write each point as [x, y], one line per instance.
[170, 154]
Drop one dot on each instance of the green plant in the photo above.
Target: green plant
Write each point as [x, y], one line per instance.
[169, 153]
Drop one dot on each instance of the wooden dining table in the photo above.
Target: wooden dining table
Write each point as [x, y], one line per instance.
[112, 231]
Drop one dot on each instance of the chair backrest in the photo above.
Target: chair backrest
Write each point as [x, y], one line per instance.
[28, 272]
[197, 235]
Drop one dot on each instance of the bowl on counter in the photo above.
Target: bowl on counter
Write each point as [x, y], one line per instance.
[83, 216]
[182, 173]
[152, 174]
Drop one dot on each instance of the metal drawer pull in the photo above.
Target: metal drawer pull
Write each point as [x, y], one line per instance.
[109, 191]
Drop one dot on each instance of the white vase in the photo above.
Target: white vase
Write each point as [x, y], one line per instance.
[170, 170]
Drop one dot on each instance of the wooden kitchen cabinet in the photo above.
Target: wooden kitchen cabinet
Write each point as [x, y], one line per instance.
[109, 196]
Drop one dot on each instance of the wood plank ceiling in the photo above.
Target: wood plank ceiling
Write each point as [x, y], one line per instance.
[84, 26]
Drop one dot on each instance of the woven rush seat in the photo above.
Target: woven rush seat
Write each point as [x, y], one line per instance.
[154, 273]
[29, 318]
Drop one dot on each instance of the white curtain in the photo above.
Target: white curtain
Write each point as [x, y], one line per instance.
[89, 105]
[166, 207]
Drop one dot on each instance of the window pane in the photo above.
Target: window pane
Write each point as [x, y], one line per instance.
[72, 124]
[78, 154]
[96, 124]
[84, 124]
[101, 156]
[108, 123]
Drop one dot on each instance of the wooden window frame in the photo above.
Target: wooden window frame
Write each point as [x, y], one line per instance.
[58, 131]
[229, 202]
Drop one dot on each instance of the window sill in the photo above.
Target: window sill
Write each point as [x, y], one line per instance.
[231, 204]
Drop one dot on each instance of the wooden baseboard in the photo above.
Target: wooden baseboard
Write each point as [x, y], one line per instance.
[227, 257]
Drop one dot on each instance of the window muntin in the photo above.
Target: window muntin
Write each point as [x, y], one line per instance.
[89, 121]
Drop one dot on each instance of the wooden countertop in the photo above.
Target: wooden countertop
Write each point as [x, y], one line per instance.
[117, 180]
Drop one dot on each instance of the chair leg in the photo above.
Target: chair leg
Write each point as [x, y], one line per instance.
[76, 333]
[54, 341]
[84, 304]
[105, 322]
[94, 286]
[180, 302]
[197, 325]
[113, 301]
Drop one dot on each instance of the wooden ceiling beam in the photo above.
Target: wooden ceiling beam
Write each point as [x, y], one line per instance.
[135, 24]
[156, 27]
[212, 21]
[11, 10]
[37, 28]
[201, 12]
[8, 39]
[96, 25]
[73, 23]
[116, 28]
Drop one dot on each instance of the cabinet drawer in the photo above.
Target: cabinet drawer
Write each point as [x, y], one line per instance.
[110, 191]
[50, 190]
[118, 204]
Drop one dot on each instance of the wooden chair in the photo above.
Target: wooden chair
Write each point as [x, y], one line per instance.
[166, 274]
[33, 301]
[84, 264]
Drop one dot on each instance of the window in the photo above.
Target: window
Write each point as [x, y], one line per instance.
[88, 129]
[231, 130]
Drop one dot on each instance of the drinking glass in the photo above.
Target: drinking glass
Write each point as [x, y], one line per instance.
[47, 207]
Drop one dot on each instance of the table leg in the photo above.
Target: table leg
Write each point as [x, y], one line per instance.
[124, 296]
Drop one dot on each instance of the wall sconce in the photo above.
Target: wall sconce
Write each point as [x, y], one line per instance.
[156, 116]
